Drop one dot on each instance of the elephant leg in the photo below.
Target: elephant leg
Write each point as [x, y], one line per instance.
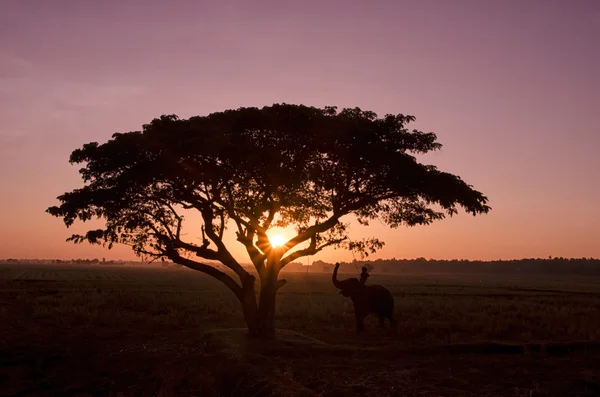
[360, 327]
[392, 321]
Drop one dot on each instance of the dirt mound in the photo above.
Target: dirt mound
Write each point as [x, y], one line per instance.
[238, 339]
[253, 367]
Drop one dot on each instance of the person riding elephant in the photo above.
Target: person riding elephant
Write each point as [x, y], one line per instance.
[364, 275]
[366, 299]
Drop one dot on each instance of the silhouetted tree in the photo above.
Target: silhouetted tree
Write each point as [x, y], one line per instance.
[255, 169]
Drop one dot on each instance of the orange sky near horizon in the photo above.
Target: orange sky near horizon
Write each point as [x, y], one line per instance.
[511, 89]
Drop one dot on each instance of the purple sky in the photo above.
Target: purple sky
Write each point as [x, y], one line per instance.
[512, 89]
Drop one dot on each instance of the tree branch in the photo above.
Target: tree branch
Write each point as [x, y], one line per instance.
[170, 251]
[263, 242]
[257, 258]
[158, 219]
[174, 239]
[272, 211]
[204, 206]
[231, 212]
[223, 254]
[222, 225]
[312, 231]
[311, 250]
[201, 267]
[143, 251]
[280, 283]
[201, 251]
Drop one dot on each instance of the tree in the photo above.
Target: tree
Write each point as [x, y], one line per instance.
[254, 169]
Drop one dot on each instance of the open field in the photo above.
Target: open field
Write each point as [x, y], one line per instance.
[103, 331]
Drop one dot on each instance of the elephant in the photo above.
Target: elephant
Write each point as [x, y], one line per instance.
[366, 299]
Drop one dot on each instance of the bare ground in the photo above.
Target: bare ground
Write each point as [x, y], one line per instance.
[129, 333]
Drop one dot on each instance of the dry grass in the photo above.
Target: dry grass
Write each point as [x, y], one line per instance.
[127, 331]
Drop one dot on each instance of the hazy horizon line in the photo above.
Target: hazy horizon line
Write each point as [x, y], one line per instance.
[2, 260]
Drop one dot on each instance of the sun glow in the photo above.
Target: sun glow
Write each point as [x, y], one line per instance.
[277, 240]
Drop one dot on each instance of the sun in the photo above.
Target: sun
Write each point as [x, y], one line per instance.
[277, 240]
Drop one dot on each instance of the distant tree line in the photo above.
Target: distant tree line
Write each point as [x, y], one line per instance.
[532, 266]
[80, 261]
[550, 265]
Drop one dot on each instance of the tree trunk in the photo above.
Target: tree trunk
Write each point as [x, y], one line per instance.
[266, 311]
[250, 309]
[265, 322]
[260, 318]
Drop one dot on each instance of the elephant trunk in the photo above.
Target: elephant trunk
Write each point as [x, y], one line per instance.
[334, 276]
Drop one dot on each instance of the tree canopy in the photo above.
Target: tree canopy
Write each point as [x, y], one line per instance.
[279, 166]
